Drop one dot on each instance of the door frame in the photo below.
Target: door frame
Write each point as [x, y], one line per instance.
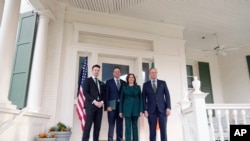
[116, 60]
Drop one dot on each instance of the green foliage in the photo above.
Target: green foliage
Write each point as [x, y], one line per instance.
[60, 127]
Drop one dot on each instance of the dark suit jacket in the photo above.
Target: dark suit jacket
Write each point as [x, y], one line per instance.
[161, 98]
[91, 93]
[112, 93]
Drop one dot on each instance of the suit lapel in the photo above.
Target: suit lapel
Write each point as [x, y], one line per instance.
[151, 86]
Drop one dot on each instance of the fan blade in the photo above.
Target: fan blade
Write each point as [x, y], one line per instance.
[233, 48]
[206, 50]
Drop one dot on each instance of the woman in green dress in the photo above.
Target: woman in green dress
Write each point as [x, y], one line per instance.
[131, 106]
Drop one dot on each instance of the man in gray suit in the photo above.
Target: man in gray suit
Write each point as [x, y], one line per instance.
[157, 104]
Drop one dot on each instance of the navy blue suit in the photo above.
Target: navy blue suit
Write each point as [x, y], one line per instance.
[156, 105]
[113, 94]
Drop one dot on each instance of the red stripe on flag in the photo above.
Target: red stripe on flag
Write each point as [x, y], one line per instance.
[79, 109]
[81, 99]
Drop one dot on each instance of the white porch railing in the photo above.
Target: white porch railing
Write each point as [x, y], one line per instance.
[217, 118]
[220, 116]
[209, 122]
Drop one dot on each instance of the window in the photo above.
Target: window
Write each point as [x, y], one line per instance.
[248, 64]
[145, 71]
[190, 75]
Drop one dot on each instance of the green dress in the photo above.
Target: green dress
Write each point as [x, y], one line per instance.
[130, 106]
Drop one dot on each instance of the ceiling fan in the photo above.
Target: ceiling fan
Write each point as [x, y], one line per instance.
[220, 49]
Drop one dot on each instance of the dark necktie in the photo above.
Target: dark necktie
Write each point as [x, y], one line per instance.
[118, 85]
[96, 82]
[154, 86]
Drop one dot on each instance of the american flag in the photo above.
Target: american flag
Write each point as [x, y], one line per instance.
[81, 99]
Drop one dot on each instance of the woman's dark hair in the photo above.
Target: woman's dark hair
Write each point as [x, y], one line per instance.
[128, 77]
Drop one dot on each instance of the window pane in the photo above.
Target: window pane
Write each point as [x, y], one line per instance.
[145, 72]
[189, 70]
[190, 74]
[107, 71]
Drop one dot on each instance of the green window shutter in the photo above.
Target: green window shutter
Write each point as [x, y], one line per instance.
[23, 59]
[248, 64]
[206, 84]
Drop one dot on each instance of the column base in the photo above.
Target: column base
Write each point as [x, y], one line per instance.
[6, 104]
[34, 110]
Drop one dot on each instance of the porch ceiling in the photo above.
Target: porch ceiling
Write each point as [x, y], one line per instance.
[230, 19]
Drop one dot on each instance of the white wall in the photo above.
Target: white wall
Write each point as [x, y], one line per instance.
[235, 76]
[193, 57]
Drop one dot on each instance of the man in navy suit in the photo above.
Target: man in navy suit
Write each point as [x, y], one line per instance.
[94, 92]
[113, 89]
[157, 104]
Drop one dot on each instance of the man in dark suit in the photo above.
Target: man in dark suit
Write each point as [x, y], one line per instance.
[113, 89]
[94, 92]
[156, 104]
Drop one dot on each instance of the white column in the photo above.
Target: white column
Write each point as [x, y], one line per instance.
[1, 11]
[200, 116]
[8, 33]
[38, 65]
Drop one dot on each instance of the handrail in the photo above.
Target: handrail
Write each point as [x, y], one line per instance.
[5, 125]
[220, 116]
[227, 106]
[184, 123]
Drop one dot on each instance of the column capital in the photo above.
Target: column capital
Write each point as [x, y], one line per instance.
[43, 8]
[46, 13]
